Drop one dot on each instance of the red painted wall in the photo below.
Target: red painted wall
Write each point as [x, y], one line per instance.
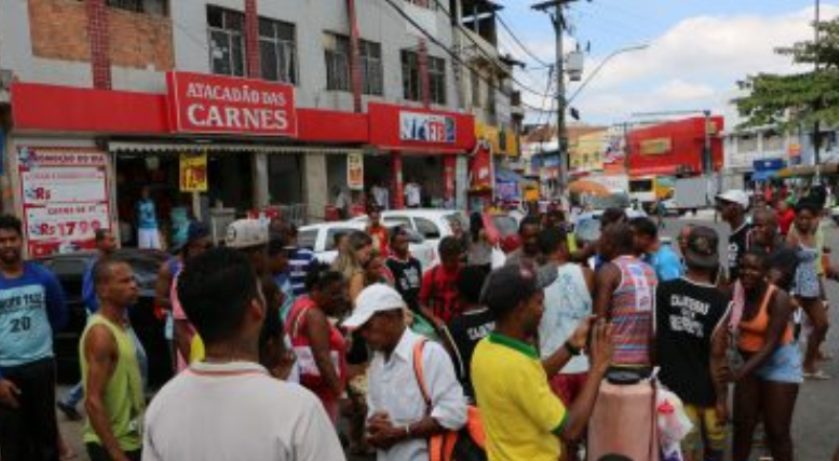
[687, 140]
[37, 107]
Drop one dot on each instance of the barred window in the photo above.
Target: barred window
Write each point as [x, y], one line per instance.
[227, 43]
[278, 50]
[337, 54]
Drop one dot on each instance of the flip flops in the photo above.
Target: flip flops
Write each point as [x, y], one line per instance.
[818, 375]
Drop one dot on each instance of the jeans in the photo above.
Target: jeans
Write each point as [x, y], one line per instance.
[76, 393]
[30, 432]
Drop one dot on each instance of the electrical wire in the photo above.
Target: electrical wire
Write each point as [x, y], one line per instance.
[455, 55]
[519, 42]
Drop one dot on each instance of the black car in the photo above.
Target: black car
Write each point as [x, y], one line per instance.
[69, 268]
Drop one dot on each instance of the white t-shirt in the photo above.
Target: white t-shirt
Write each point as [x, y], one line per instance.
[237, 411]
[412, 194]
[567, 303]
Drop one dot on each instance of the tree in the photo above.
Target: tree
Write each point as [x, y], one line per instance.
[804, 98]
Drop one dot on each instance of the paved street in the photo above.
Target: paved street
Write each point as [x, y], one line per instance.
[816, 426]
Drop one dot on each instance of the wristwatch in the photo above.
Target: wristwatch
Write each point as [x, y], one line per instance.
[571, 349]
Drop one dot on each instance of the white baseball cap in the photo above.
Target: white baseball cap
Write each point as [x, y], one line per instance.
[372, 300]
[246, 233]
[737, 196]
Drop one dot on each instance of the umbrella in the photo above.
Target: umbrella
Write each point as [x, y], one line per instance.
[582, 186]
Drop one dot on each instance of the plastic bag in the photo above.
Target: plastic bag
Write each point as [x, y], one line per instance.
[673, 424]
[498, 257]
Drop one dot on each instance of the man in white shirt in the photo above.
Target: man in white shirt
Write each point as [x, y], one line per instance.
[413, 195]
[382, 195]
[228, 407]
[399, 419]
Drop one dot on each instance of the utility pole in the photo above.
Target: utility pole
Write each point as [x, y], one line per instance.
[817, 139]
[558, 20]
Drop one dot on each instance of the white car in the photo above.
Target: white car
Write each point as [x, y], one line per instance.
[321, 239]
[433, 224]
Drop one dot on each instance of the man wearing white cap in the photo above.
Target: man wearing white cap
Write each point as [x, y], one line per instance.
[732, 205]
[400, 416]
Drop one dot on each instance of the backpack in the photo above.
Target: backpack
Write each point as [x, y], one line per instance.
[467, 444]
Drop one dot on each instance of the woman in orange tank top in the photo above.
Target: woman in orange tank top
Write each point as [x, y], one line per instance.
[767, 383]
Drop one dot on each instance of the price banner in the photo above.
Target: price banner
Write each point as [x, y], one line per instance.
[65, 198]
[355, 171]
[193, 173]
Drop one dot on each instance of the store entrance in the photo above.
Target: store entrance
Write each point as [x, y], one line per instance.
[229, 186]
[427, 171]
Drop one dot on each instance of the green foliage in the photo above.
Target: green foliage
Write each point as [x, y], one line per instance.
[787, 101]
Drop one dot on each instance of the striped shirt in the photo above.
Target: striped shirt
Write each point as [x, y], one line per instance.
[631, 312]
[299, 261]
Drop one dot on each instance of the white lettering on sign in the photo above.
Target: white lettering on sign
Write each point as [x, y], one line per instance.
[423, 127]
[236, 117]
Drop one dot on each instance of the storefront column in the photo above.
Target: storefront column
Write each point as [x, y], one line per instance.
[398, 189]
[449, 178]
[316, 190]
[259, 169]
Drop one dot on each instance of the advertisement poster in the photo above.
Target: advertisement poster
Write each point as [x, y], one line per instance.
[193, 173]
[423, 127]
[64, 195]
[355, 171]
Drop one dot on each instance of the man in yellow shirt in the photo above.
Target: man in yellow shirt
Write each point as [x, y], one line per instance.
[520, 413]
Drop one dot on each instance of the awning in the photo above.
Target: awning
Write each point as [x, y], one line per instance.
[178, 147]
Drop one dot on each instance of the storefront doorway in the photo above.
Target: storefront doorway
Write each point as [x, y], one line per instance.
[229, 186]
[427, 171]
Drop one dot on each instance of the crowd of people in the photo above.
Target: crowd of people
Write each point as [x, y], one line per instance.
[282, 357]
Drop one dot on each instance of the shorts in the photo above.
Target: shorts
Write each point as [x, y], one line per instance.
[706, 440]
[148, 239]
[783, 366]
[567, 386]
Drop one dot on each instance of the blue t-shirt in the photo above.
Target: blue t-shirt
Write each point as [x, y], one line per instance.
[91, 302]
[666, 263]
[32, 308]
[146, 216]
[299, 261]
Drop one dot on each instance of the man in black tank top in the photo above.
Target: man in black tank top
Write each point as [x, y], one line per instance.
[732, 205]
[691, 341]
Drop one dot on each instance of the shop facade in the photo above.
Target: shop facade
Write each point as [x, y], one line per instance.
[410, 144]
[219, 147]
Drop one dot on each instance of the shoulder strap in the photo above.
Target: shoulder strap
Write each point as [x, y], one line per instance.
[295, 329]
[765, 303]
[418, 372]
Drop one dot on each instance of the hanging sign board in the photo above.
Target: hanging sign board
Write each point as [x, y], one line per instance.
[193, 173]
[355, 171]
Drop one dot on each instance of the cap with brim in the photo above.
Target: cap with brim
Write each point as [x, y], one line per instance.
[702, 248]
[372, 300]
[246, 233]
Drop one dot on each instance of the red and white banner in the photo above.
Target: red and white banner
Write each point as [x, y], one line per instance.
[64, 193]
[202, 103]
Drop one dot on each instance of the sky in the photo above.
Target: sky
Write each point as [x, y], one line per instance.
[697, 51]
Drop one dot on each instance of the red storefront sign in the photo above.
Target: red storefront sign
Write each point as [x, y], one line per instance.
[202, 103]
[411, 129]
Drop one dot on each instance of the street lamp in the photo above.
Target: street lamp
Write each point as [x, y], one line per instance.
[597, 69]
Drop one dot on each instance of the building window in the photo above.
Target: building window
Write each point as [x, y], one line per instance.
[277, 51]
[412, 84]
[491, 100]
[772, 141]
[747, 143]
[227, 42]
[437, 80]
[476, 89]
[411, 76]
[337, 52]
[140, 6]
[372, 72]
